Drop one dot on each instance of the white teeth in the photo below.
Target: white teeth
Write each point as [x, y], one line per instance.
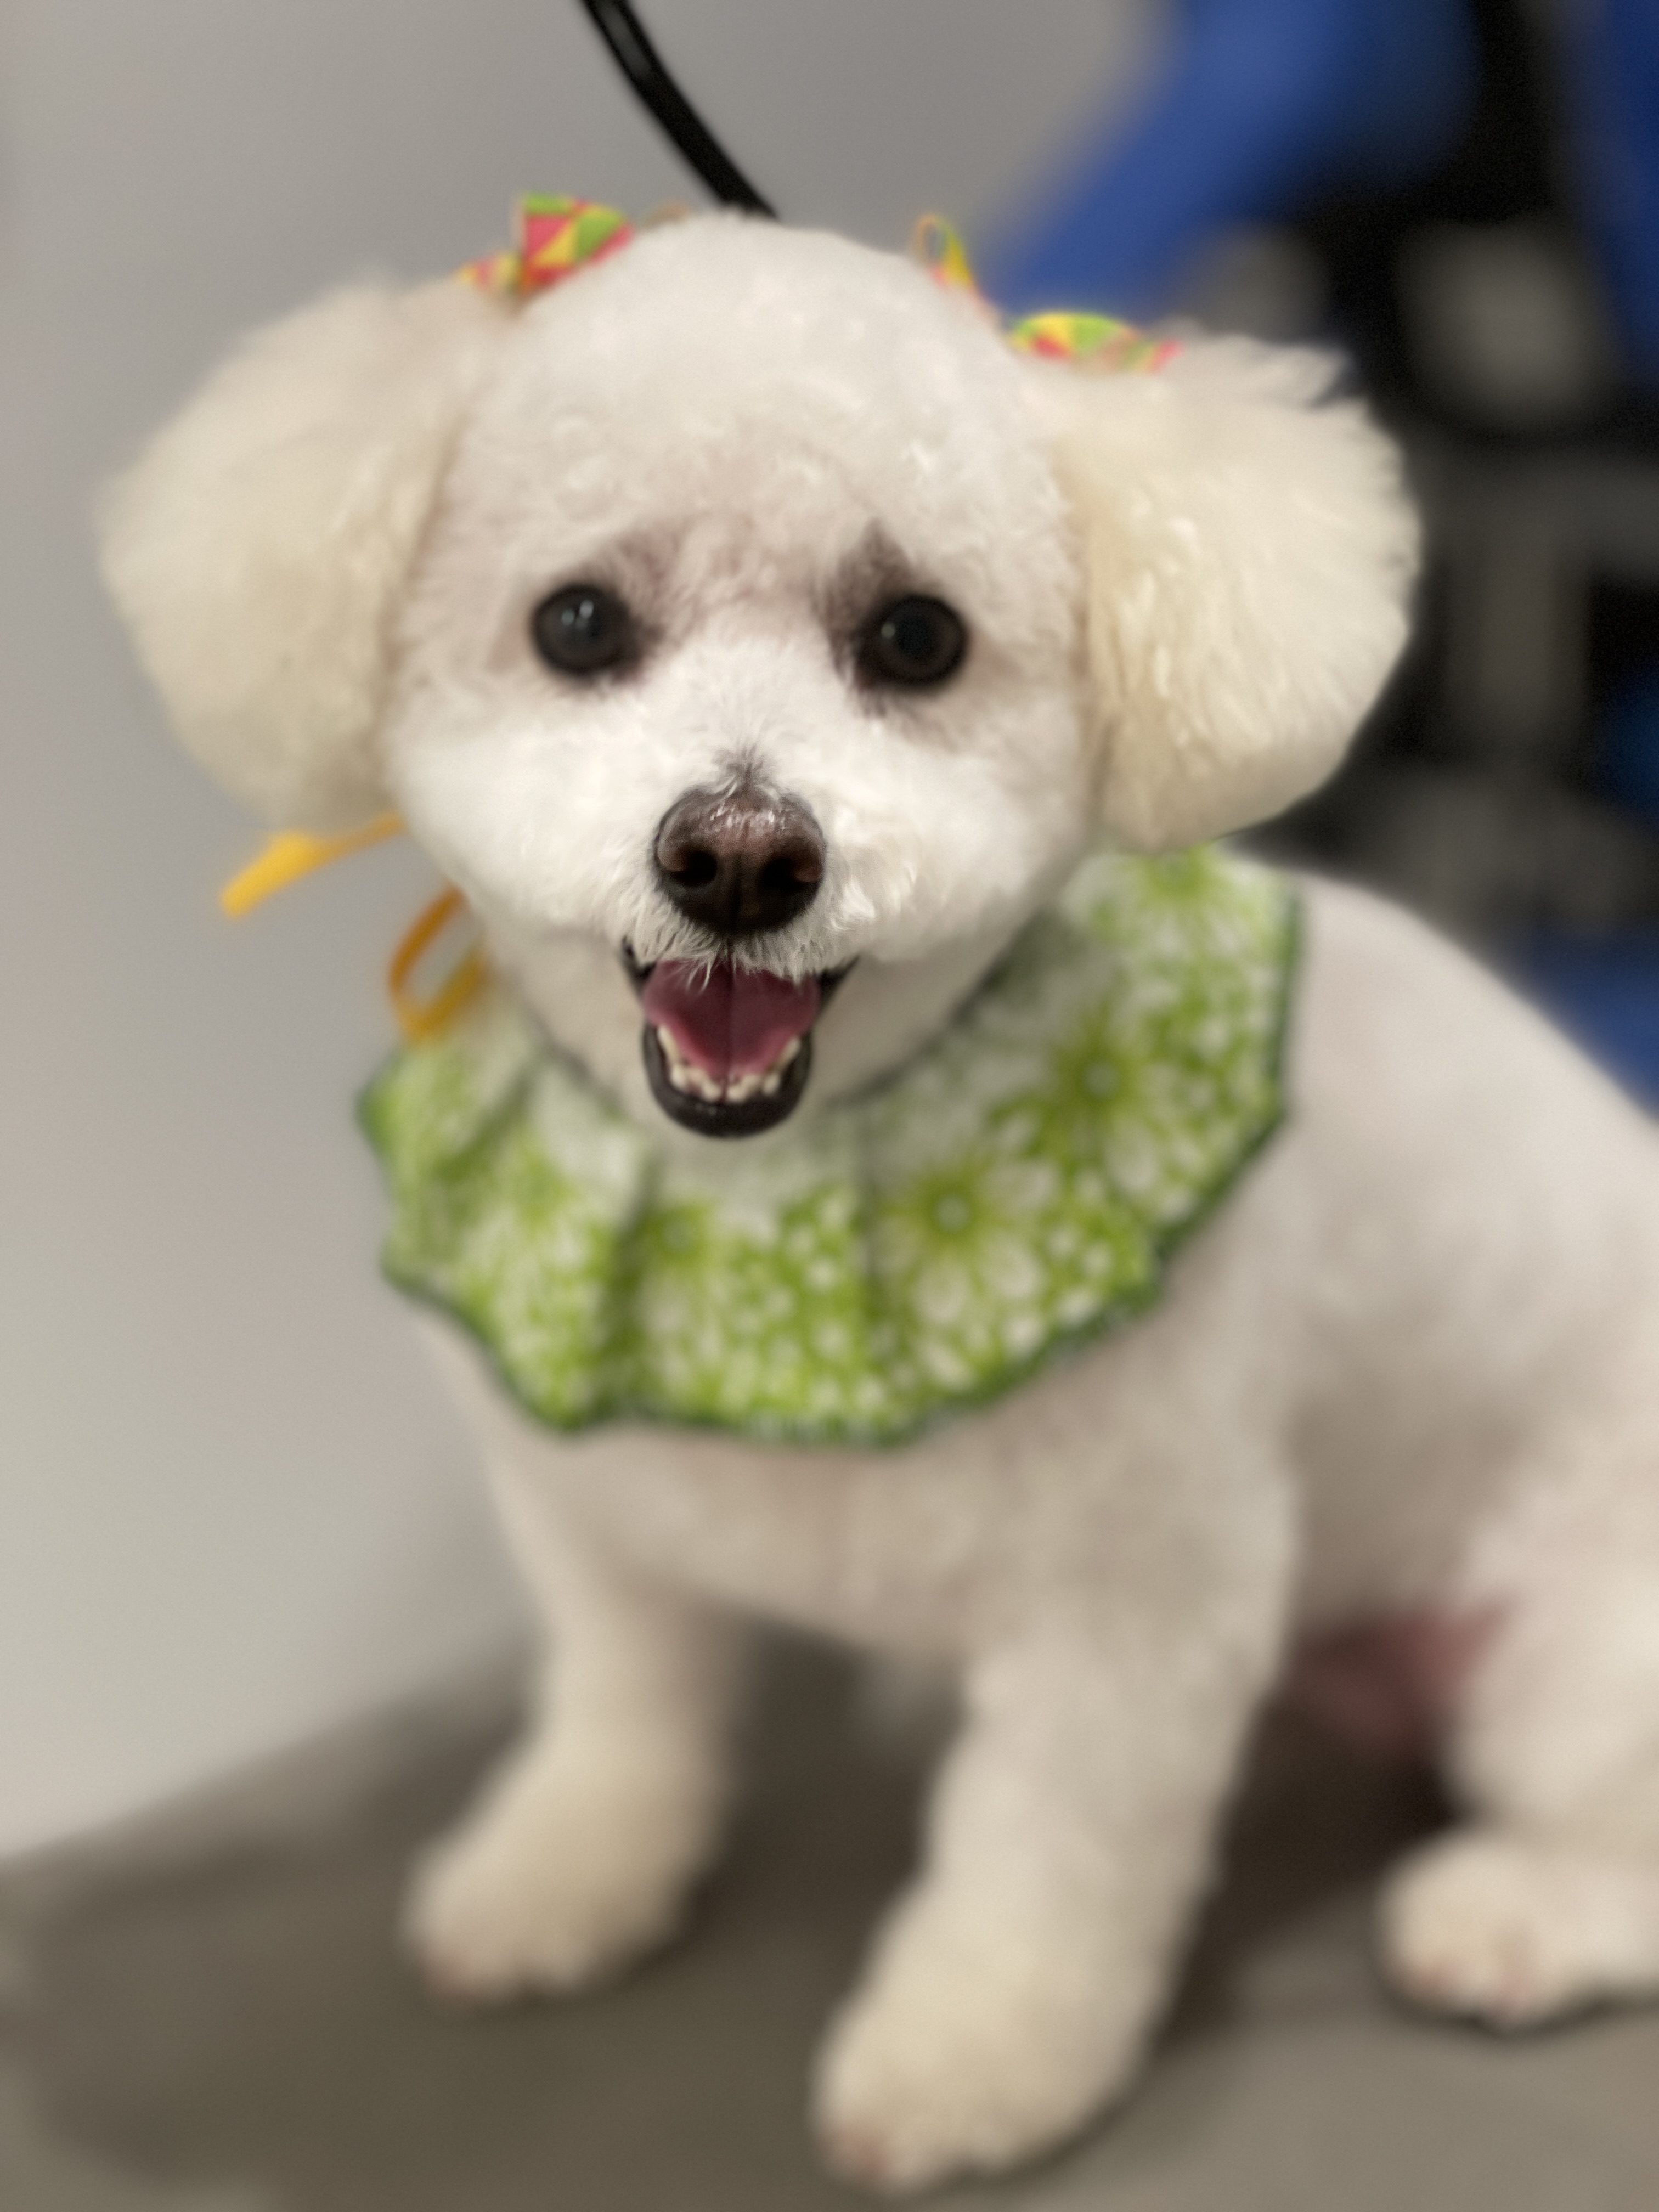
[697, 1083]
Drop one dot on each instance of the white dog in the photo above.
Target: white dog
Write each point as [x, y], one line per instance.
[748, 630]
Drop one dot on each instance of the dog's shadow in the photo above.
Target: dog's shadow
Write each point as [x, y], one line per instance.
[236, 2015]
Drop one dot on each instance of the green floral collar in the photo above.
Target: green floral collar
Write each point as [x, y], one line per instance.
[1014, 1191]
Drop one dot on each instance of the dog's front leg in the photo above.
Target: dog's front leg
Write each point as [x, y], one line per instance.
[1013, 1989]
[584, 1845]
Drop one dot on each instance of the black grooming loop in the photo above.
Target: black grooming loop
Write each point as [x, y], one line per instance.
[643, 67]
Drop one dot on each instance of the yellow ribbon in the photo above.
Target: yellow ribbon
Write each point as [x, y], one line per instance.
[420, 1019]
[294, 854]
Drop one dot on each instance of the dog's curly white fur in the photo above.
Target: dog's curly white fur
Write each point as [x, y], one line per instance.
[1412, 1365]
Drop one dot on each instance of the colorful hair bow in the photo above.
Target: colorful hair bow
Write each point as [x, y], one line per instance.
[1095, 342]
[557, 235]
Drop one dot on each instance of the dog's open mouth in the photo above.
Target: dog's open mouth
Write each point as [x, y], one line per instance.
[727, 1049]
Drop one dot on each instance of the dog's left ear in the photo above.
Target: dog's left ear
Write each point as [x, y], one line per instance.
[1249, 553]
[259, 547]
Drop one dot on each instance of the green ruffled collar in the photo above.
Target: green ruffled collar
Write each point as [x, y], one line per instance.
[1015, 1190]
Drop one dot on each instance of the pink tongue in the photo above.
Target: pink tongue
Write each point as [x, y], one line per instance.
[728, 1021]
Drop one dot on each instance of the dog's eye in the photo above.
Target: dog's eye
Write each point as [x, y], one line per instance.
[582, 629]
[915, 641]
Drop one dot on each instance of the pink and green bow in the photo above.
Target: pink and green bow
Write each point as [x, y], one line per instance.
[558, 236]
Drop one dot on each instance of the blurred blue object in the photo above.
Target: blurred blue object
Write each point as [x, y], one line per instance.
[1628, 762]
[1611, 50]
[1603, 990]
[1258, 106]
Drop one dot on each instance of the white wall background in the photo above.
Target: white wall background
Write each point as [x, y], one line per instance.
[233, 1509]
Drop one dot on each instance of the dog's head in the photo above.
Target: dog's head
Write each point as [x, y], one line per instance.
[747, 611]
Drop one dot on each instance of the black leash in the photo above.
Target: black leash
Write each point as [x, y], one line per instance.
[645, 69]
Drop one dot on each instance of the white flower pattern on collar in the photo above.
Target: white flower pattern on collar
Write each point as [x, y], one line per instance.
[1013, 1192]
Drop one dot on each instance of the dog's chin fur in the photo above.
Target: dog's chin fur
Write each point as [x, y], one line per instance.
[879, 1016]
[1413, 1365]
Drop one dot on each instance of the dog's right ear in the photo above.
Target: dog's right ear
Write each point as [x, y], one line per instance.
[1249, 551]
[259, 547]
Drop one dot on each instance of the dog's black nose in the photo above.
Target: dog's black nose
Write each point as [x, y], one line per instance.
[739, 861]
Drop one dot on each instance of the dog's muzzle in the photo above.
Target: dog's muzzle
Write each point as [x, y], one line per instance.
[728, 1048]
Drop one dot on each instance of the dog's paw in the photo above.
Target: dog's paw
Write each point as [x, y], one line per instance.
[1512, 1932]
[551, 1891]
[967, 2062]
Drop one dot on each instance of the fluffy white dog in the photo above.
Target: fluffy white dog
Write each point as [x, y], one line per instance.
[760, 644]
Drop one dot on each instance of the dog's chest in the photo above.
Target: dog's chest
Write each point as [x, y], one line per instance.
[1091, 1475]
[921, 1546]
